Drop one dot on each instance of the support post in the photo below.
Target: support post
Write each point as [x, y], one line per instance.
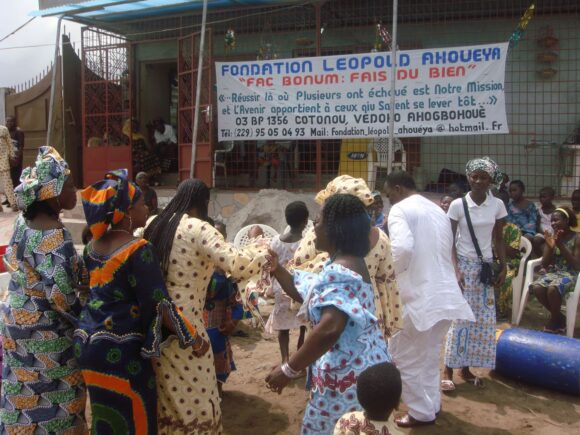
[393, 88]
[198, 90]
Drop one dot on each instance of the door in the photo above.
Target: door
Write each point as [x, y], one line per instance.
[187, 67]
[106, 103]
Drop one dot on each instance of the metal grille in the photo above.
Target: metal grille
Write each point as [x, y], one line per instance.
[106, 103]
[542, 85]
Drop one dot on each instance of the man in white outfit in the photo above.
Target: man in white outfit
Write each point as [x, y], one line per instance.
[421, 242]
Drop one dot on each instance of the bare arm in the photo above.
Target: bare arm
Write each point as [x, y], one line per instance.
[324, 335]
[572, 257]
[458, 273]
[500, 250]
[286, 281]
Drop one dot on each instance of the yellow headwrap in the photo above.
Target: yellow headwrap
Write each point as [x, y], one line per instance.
[346, 184]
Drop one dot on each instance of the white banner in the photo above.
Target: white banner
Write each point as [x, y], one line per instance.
[439, 92]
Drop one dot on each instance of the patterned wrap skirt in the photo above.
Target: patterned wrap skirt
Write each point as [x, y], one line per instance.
[472, 344]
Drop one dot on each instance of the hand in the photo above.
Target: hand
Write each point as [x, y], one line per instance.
[273, 260]
[500, 279]
[255, 231]
[277, 380]
[558, 238]
[460, 279]
[227, 328]
[550, 241]
[201, 351]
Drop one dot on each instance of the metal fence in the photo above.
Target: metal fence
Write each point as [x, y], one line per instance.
[542, 85]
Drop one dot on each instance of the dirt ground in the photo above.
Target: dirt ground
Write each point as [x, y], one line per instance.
[503, 406]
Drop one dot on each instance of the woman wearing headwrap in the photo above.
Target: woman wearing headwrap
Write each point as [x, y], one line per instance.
[379, 260]
[42, 387]
[5, 179]
[473, 344]
[128, 314]
[190, 249]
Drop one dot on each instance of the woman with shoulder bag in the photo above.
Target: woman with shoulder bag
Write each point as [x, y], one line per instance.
[477, 220]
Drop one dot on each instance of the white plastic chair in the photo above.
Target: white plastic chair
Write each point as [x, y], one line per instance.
[518, 280]
[571, 301]
[221, 162]
[381, 148]
[309, 225]
[242, 237]
[529, 278]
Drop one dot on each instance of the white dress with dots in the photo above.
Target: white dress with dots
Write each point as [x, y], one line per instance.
[186, 385]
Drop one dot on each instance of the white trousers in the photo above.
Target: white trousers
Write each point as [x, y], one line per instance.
[416, 354]
[6, 183]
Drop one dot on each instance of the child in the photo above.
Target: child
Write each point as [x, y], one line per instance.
[575, 200]
[378, 216]
[223, 310]
[378, 390]
[521, 212]
[544, 222]
[445, 201]
[283, 317]
[149, 194]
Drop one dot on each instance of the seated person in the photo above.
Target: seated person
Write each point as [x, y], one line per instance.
[522, 212]
[378, 389]
[544, 224]
[149, 194]
[143, 159]
[561, 259]
[165, 144]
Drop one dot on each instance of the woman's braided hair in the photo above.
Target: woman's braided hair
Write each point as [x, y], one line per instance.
[347, 224]
[191, 193]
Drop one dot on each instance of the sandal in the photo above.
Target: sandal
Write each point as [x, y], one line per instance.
[447, 385]
[476, 381]
[408, 421]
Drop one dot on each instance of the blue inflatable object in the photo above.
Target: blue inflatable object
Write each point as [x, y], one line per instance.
[547, 360]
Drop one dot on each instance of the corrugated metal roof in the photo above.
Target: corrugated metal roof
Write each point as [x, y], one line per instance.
[111, 10]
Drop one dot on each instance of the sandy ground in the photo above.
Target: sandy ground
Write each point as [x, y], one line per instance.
[503, 406]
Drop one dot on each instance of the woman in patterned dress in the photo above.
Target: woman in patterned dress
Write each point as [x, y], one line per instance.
[379, 259]
[128, 315]
[339, 303]
[190, 249]
[42, 388]
[561, 259]
[472, 344]
[511, 238]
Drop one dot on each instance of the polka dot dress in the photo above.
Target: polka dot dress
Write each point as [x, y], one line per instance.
[187, 387]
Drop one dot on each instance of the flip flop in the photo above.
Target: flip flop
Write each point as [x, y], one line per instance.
[408, 421]
[475, 381]
[447, 385]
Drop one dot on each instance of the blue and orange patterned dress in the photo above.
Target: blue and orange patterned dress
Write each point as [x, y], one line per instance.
[332, 378]
[222, 305]
[42, 387]
[120, 330]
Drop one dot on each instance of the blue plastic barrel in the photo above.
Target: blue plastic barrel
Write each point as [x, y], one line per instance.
[547, 360]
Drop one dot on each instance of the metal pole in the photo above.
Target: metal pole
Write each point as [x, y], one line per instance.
[53, 82]
[198, 90]
[393, 87]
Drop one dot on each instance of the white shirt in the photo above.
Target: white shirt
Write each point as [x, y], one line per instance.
[422, 243]
[483, 218]
[168, 135]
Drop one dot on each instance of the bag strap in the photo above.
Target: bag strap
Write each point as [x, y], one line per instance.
[470, 226]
